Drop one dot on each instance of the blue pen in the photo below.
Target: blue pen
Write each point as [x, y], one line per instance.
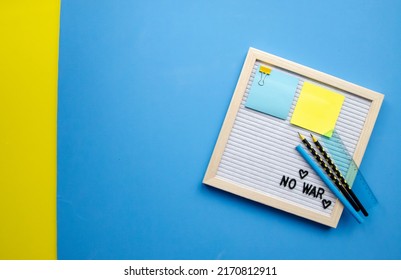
[329, 183]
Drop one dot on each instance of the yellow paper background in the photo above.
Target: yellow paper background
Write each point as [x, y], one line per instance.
[28, 103]
[317, 109]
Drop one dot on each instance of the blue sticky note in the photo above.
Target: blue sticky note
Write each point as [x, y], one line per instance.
[272, 94]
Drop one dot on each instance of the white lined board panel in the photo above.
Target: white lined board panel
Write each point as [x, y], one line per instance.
[260, 149]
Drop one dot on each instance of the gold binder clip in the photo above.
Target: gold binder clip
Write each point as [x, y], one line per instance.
[264, 71]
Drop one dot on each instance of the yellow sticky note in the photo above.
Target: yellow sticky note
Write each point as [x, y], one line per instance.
[317, 109]
[28, 105]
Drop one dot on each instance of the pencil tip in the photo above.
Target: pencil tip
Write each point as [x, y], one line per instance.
[313, 138]
[301, 136]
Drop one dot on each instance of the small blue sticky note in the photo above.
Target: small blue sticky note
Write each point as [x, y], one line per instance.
[272, 94]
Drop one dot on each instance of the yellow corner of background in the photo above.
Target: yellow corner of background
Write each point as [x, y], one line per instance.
[28, 118]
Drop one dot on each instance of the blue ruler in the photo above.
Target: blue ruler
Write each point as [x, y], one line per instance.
[349, 169]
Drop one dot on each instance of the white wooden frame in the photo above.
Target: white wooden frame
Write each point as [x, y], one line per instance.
[256, 55]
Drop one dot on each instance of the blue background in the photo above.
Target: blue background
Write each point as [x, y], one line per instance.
[143, 90]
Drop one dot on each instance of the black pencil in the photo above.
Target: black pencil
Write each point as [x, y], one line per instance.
[329, 172]
[339, 175]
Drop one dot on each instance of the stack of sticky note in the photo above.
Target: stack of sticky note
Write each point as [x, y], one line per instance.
[317, 108]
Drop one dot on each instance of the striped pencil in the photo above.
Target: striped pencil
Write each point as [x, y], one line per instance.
[328, 171]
